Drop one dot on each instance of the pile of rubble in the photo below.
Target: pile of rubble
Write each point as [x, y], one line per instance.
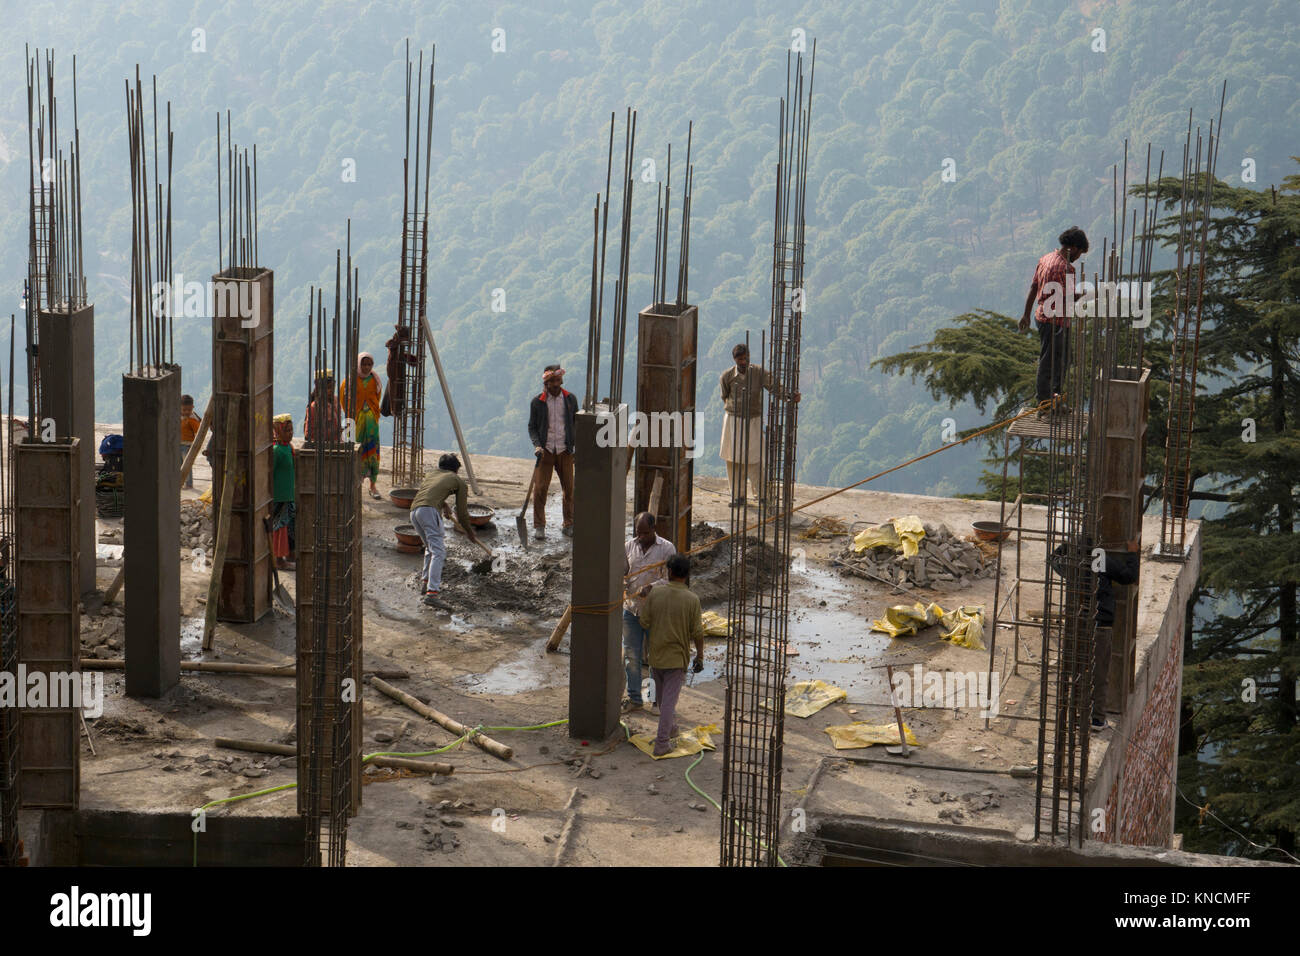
[196, 527]
[943, 562]
[102, 634]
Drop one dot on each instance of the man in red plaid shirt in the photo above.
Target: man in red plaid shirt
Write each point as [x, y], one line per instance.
[1051, 301]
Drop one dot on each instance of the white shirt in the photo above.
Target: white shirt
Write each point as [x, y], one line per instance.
[657, 553]
[555, 423]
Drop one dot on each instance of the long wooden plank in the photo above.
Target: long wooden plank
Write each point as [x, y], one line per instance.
[451, 408]
[223, 523]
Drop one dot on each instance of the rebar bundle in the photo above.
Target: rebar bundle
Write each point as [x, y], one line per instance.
[150, 318]
[600, 238]
[55, 259]
[758, 605]
[329, 457]
[406, 396]
[1194, 208]
[237, 204]
[663, 208]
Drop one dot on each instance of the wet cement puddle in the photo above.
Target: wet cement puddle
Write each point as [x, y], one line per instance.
[834, 643]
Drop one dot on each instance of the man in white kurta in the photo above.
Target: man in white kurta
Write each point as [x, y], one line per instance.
[742, 424]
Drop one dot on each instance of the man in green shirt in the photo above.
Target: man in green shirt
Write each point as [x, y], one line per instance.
[428, 508]
[671, 617]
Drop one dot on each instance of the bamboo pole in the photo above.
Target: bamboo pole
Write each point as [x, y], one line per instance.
[222, 667]
[451, 409]
[438, 717]
[197, 445]
[289, 750]
[223, 522]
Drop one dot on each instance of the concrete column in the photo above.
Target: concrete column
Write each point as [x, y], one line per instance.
[151, 519]
[243, 314]
[665, 382]
[47, 507]
[66, 359]
[596, 666]
[329, 629]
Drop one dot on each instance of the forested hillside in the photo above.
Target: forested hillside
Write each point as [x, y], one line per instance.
[1028, 101]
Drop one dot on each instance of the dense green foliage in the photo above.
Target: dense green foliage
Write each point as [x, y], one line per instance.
[1013, 92]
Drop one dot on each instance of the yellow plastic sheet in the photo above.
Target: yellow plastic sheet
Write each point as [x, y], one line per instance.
[904, 621]
[861, 734]
[965, 626]
[206, 496]
[685, 744]
[903, 534]
[715, 625]
[807, 697]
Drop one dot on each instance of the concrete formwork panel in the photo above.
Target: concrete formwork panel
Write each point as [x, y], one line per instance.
[336, 495]
[67, 363]
[47, 511]
[151, 519]
[596, 665]
[242, 369]
[665, 383]
[1121, 514]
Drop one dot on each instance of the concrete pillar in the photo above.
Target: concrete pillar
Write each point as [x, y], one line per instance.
[331, 484]
[66, 360]
[596, 666]
[47, 509]
[243, 370]
[151, 519]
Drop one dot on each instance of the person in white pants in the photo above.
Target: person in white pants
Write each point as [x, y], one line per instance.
[428, 508]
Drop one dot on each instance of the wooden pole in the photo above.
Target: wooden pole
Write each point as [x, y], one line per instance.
[451, 408]
[223, 522]
[441, 719]
[416, 766]
[256, 746]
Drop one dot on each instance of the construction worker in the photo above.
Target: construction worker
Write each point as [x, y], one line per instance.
[189, 431]
[1051, 301]
[742, 404]
[428, 508]
[671, 617]
[1102, 569]
[644, 558]
[550, 426]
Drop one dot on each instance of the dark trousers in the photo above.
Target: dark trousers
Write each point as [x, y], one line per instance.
[1100, 669]
[669, 684]
[1053, 359]
[561, 464]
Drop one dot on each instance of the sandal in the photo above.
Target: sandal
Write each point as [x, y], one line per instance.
[376, 495]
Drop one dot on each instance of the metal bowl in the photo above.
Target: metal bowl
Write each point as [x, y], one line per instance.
[402, 497]
[406, 534]
[990, 531]
[480, 516]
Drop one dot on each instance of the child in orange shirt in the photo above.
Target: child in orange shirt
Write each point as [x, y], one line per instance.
[189, 429]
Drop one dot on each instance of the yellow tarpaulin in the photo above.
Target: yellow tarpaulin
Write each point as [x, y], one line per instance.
[904, 621]
[685, 744]
[861, 734]
[807, 697]
[903, 534]
[965, 626]
[715, 625]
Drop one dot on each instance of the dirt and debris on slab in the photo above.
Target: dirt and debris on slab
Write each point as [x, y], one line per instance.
[943, 562]
[711, 567]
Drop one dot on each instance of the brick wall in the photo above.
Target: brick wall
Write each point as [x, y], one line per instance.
[1146, 783]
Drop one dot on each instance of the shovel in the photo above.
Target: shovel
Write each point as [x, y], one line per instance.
[521, 525]
[901, 750]
[280, 598]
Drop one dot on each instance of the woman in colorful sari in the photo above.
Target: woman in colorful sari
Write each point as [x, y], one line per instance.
[365, 412]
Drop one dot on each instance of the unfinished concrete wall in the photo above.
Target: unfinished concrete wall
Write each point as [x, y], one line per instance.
[47, 523]
[66, 359]
[596, 665]
[242, 370]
